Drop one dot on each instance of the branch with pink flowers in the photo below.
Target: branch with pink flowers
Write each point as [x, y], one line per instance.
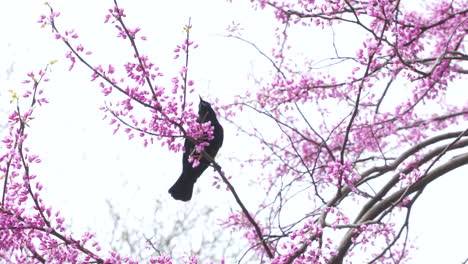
[368, 153]
[24, 215]
[349, 145]
[170, 119]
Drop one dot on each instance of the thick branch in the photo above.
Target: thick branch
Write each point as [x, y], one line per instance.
[377, 209]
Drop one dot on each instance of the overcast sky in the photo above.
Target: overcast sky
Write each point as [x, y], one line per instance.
[84, 164]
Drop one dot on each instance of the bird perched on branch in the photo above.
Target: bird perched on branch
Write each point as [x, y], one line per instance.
[183, 188]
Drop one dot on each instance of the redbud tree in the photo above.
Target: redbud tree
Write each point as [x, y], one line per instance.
[357, 136]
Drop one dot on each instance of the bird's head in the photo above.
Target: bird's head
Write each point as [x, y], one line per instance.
[205, 112]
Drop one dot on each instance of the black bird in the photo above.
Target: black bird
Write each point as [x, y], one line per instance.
[183, 188]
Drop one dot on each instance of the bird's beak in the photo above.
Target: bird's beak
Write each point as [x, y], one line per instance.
[201, 99]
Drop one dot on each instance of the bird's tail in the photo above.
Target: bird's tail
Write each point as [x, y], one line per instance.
[183, 188]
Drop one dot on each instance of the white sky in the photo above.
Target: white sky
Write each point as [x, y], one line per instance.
[84, 164]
